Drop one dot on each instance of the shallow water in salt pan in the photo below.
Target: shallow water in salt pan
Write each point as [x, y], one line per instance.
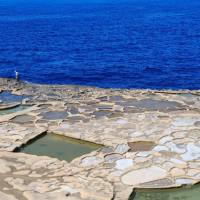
[7, 97]
[61, 147]
[13, 110]
[191, 193]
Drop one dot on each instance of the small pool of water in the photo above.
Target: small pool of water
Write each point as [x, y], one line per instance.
[61, 147]
[7, 97]
[185, 193]
[13, 110]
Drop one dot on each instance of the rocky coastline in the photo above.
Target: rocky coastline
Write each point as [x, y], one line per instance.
[149, 138]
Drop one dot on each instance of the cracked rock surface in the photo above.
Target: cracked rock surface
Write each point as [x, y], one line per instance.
[151, 140]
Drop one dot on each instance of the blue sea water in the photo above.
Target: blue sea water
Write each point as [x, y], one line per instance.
[122, 44]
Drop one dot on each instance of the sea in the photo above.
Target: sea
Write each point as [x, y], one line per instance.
[152, 44]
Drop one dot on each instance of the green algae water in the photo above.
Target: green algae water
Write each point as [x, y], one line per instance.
[61, 147]
[185, 193]
[13, 110]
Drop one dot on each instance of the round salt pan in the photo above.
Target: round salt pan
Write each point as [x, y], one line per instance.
[54, 115]
[161, 105]
[99, 114]
[23, 119]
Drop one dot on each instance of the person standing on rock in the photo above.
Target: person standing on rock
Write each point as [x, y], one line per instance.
[16, 75]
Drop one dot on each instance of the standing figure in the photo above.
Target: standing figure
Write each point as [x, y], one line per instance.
[16, 75]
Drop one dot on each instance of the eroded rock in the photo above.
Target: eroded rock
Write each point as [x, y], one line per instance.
[141, 176]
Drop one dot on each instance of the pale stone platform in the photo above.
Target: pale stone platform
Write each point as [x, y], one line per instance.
[150, 138]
